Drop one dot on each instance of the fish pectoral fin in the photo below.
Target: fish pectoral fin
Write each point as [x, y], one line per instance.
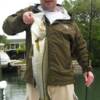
[37, 44]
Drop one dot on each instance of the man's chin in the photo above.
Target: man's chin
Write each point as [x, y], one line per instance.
[50, 8]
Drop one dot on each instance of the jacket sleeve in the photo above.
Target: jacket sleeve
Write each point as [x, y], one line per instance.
[13, 24]
[81, 51]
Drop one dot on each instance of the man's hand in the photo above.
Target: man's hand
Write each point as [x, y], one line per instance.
[89, 78]
[28, 17]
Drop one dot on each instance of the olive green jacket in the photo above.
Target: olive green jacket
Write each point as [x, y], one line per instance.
[64, 42]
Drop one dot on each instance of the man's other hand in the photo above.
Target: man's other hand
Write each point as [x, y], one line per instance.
[89, 78]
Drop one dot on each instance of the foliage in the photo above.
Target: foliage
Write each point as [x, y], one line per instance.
[21, 51]
[21, 48]
[3, 39]
[87, 15]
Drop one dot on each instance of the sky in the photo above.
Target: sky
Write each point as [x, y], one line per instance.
[8, 7]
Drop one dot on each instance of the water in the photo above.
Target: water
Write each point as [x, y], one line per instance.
[15, 91]
[16, 87]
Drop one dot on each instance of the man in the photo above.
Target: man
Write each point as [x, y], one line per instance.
[64, 41]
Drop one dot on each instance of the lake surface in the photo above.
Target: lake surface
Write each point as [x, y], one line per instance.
[16, 87]
[15, 91]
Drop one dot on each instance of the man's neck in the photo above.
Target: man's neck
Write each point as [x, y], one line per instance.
[50, 10]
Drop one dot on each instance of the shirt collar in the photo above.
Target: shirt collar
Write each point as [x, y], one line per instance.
[59, 14]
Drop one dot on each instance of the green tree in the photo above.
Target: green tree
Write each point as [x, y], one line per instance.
[87, 15]
[3, 39]
[21, 50]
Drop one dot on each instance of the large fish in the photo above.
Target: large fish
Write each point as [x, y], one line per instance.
[40, 55]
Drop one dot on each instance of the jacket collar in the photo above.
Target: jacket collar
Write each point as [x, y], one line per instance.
[50, 16]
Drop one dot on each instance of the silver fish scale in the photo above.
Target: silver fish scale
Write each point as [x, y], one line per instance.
[40, 62]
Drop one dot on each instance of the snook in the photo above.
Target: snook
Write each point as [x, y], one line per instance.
[40, 55]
